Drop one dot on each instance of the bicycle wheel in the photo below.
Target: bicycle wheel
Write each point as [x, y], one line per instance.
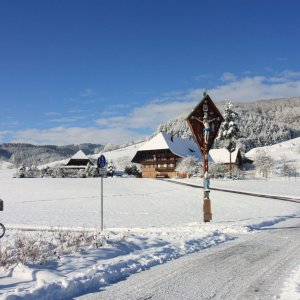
[2, 230]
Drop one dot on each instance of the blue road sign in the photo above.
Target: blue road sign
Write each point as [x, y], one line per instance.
[101, 162]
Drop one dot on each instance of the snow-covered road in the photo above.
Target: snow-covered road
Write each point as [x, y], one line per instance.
[251, 267]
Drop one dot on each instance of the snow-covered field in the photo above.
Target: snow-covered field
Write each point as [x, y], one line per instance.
[288, 152]
[147, 222]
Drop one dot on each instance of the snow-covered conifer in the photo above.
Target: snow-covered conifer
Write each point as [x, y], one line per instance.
[229, 130]
[110, 170]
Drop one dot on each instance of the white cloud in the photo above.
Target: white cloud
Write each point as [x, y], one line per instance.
[67, 119]
[3, 134]
[52, 113]
[227, 76]
[245, 89]
[74, 135]
[123, 126]
[250, 89]
[148, 116]
[88, 92]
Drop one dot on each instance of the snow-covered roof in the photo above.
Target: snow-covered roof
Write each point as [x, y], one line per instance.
[79, 158]
[79, 155]
[222, 156]
[178, 146]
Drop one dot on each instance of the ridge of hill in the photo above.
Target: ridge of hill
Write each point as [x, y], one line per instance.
[28, 154]
[262, 123]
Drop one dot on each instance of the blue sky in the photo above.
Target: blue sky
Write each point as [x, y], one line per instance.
[111, 71]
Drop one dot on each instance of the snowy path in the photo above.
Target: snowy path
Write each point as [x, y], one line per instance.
[252, 267]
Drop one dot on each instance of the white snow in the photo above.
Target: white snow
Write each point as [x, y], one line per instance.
[157, 142]
[128, 151]
[178, 146]
[288, 150]
[148, 222]
[4, 165]
[222, 156]
[291, 287]
[79, 155]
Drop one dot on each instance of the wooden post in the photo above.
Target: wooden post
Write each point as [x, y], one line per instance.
[207, 214]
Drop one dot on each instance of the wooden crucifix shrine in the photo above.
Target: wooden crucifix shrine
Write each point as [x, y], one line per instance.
[204, 122]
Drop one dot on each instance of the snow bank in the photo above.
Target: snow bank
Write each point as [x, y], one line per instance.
[117, 260]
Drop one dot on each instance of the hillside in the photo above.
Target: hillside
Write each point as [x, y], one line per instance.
[287, 152]
[28, 154]
[120, 157]
[262, 123]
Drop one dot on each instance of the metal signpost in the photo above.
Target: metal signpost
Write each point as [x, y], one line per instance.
[204, 122]
[101, 162]
[2, 227]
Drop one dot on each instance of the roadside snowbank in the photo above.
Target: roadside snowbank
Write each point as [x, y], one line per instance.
[91, 270]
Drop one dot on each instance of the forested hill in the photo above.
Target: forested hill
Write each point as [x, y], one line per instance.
[262, 123]
[28, 154]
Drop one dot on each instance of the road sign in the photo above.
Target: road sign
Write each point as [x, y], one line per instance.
[101, 161]
[204, 121]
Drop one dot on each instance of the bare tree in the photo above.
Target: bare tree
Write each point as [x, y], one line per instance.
[190, 165]
[264, 163]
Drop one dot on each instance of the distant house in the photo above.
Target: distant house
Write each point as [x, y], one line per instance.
[79, 159]
[222, 156]
[160, 155]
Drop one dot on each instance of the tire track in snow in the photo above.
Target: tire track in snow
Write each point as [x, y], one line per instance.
[275, 197]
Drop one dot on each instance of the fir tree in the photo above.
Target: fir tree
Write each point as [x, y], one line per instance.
[110, 169]
[229, 130]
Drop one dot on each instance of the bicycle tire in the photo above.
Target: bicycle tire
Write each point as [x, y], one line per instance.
[2, 230]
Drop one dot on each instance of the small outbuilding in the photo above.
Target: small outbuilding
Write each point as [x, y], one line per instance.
[222, 156]
[79, 159]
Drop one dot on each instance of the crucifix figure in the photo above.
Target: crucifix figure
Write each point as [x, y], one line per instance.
[206, 126]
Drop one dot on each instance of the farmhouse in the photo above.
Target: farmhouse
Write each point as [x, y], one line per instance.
[160, 155]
